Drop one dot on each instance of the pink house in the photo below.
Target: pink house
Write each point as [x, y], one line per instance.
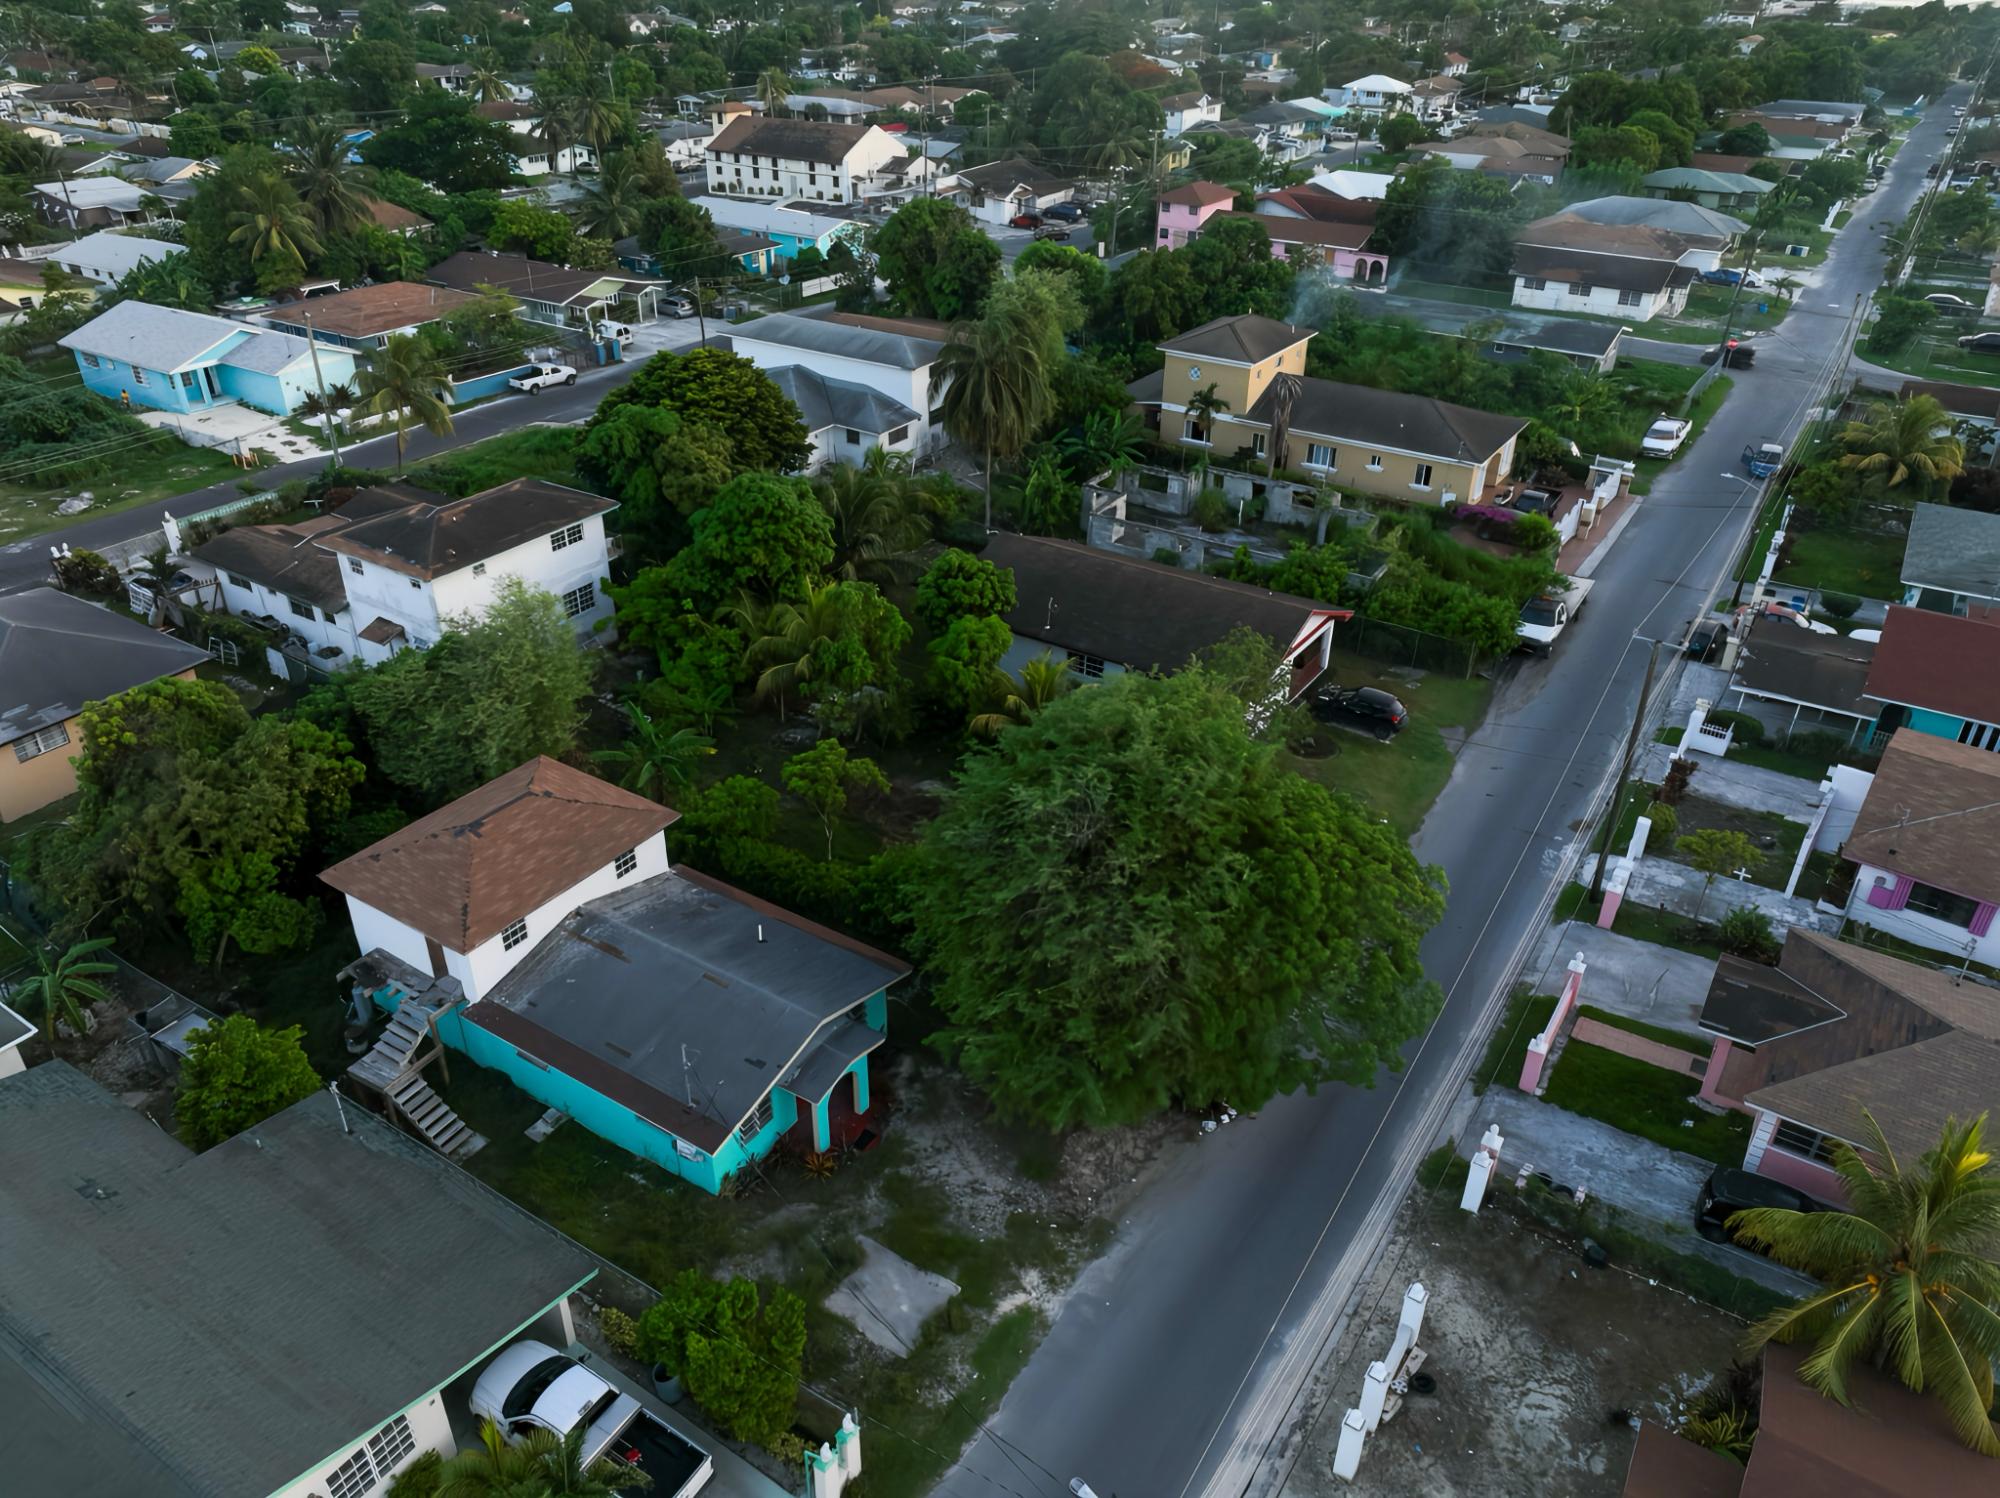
[1183, 211]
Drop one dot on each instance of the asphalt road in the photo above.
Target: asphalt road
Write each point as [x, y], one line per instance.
[25, 564]
[1178, 1355]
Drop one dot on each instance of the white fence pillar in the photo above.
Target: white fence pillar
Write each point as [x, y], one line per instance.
[1484, 1162]
[848, 1443]
[1412, 1319]
[1347, 1455]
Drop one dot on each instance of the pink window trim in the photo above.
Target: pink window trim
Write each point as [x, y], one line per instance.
[1982, 919]
[1892, 896]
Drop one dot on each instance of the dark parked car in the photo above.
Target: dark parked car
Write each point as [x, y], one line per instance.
[1705, 640]
[1737, 355]
[1730, 1190]
[1981, 343]
[1025, 221]
[1945, 301]
[1368, 708]
[1054, 231]
[1069, 213]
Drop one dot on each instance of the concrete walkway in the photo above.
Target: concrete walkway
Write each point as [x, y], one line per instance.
[1659, 985]
[1733, 783]
[1635, 1175]
[1666, 885]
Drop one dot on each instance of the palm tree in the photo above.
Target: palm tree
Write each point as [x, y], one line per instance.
[272, 221]
[1909, 1275]
[992, 386]
[66, 985]
[785, 655]
[654, 756]
[1043, 679]
[594, 114]
[612, 205]
[554, 124]
[486, 84]
[1584, 396]
[404, 380]
[539, 1464]
[1285, 392]
[1110, 443]
[1204, 406]
[1901, 441]
[331, 189]
[774, 86]
[876, 529]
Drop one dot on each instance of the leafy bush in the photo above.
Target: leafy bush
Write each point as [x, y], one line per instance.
[1211, 511]
[1167, 556]
[1840, 605]
[420, 1479]
[620, 1330]
[1666, 822]
[1680, 770]
[1747, 729]
[238, 1074]
[1746, 932]
[1534, 533]
[738, 1354]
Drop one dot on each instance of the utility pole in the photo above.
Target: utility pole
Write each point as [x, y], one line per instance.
[1624, 775]
[312, 342]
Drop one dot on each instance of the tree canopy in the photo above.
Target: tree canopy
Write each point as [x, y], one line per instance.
[727, 395]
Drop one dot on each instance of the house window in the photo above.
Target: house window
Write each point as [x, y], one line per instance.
[1797, 1139]
[1628, 298]
[1534, 283]
[513, 934]
[138, 375]
[416, 582]
[90, 361]
[1192, 431]
[354, 566]
[300, 607]
[41, 742]
[569, 535]
[1257, 444]
[901, 434]
[1319, 455]
[352, 1477]
[1374, 462]
[1979, 735]
[1942, 905]
[238, 582]
[625, 862]
[1423, 478]
[758, 1121]
[187, 379]
[1578, 288]
[1087, 665]
[580, 600]
[853, 437]
[392, 1443]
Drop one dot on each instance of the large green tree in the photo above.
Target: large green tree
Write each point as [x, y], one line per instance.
[1910, 1279]
[1099, 956]
[236, 1075]
[662, 467]
[441, 140]
[937, 261]
[492, 693]
[724, 393]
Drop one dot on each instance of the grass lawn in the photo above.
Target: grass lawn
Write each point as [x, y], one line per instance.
[1400, 779]
[1811, 767]
[1865, 563]
[532, 452]
[1935, 356]
[1640, 922]
[1507, 1046]
[1645, 1100]
[159, 470]
[1679, 1040]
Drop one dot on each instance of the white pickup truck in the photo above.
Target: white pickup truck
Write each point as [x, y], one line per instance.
[540, 376]
[1664, 437]
[1547, 616]
[530, 1386]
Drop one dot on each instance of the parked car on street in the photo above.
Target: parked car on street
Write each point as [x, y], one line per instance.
[1664, 437]
[1054, 231]
[1945, 301]
[1025, 221]
[1370, 709]
[1762, 459]
[1733, 354]
[1729, 1191]
[678, 306]
[1706, 639]
[540, 376]
[1544, 618]
[1981, 343]
[1069, 213]
[530, 1386]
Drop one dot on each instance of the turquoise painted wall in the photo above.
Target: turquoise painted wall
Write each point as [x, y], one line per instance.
[1938, 725]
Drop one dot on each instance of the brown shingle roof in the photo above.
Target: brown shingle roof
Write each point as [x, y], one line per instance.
[1933, 814]
[468, 870]
[1198, 195]
[367, 311]
[1957, 1000]
[394, 216]
[431, 535]
[505, 109]
[1910, 1091]
[1637, 240]
[1326, 234]
[1939, 661]
[789, 140]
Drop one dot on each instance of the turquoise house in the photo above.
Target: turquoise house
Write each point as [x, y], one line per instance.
[1938, 674]
[188, 362]
[538, 927]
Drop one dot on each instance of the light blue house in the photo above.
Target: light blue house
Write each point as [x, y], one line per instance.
[789, 230]
[536, 926]
[1938, 674]
[170, 360]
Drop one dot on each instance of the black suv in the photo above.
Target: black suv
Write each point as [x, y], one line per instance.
[1368, 708]
[1729, 1191]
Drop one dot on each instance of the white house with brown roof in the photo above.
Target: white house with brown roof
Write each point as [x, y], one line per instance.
[387, 570]
[533, 158]
[1004, 190]
[1627, 271]
[1185, 110]
[798, 160]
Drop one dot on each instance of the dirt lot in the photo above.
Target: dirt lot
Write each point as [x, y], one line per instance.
[1538, 1361]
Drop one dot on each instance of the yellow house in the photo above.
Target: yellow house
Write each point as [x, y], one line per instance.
[1220, 392]
[56, 654]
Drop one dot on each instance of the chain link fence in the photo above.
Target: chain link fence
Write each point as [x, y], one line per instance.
[1400, 645]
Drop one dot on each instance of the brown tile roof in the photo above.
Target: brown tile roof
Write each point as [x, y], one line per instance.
[394, 216]
[1321, 205]
[1543, 142]
[505, 109]
[367, 311]
[1981, 401]
[1910, 1091]
[468, 870]
[1711, 161]
[1939, 661]
[1933, 813]
[1198, 195]
[535, 280]
[1959, 1001]
[1325, 234]
[789, 140]
[431, 535]
[1665, 1466]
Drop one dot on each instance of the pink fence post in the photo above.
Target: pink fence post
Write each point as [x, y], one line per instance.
[1540, 1045]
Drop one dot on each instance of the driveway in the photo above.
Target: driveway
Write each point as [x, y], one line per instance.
[1638, 979]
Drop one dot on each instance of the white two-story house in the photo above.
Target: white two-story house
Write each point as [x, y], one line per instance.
[534, 158]
[860, 382]
[798, 160]
[1185, 110]
[386, 571]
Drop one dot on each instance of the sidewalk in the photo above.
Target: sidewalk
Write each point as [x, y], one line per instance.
[1665, 885]
[1658, 985]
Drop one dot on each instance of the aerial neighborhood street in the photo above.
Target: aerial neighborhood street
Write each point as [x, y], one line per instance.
[1015, 751]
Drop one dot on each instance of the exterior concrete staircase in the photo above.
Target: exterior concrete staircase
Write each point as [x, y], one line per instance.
[387, 1068]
